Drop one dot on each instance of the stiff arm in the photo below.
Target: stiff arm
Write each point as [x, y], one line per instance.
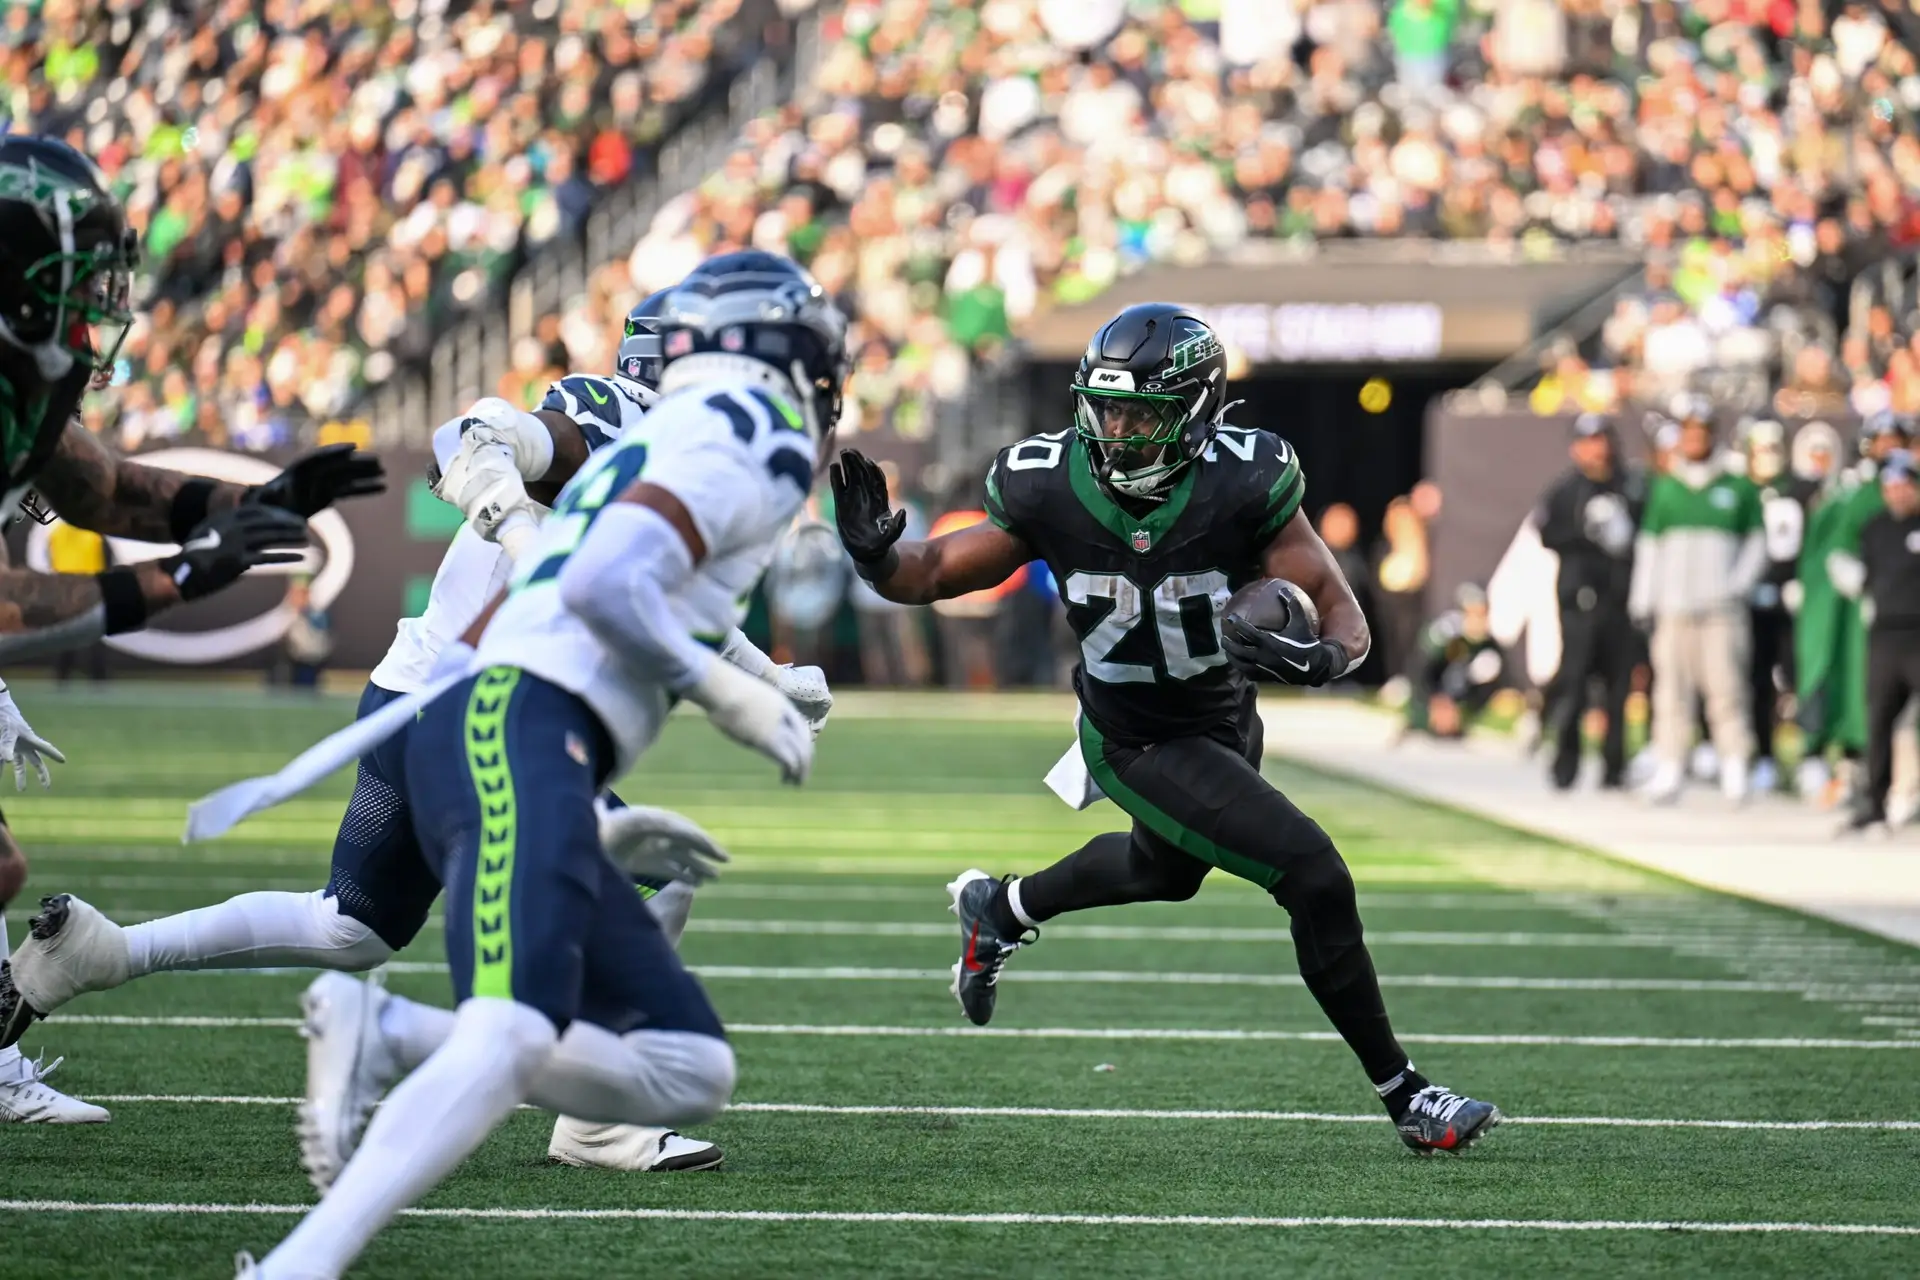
[953, 564]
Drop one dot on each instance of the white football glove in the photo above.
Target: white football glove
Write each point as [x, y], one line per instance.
[755, 714]
[659, 844]
[806, 688]
[484, 482]
[20, 746]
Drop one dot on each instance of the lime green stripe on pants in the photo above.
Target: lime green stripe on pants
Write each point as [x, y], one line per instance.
[486, 742]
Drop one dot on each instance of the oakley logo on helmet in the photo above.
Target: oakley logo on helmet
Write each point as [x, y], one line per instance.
[1118, 379]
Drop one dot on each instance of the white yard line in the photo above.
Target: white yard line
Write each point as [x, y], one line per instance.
[1120, 1113]
[1107, 1033]
[1002, 1219]
[1125, 977]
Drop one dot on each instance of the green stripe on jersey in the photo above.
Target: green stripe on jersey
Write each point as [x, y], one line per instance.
[1284, 499]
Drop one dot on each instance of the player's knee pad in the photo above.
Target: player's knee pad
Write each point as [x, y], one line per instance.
[690, 1076]
[347, 944]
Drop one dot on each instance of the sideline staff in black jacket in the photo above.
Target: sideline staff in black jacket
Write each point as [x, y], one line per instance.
[1890, 554]
[1588, 518]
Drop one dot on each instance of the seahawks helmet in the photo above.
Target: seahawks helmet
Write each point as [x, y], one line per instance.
[1148, 396]
[639, 357]
[758, 316]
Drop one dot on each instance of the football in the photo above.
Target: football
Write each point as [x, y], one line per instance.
[1276, 605]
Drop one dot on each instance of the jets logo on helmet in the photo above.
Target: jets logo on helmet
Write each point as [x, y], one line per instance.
[1148, 396]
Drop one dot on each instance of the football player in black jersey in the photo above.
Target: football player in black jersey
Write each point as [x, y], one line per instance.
[66, 265]
[1150, 511]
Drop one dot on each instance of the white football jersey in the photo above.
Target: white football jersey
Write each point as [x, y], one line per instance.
[741, 462]
[474, 570]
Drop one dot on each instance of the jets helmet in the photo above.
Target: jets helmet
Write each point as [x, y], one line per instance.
[67, 259]
[760, 316]
[1148, 396]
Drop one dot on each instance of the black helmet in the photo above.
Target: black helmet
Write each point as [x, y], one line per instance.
[1159, 372]
[66, 258]
[757, 311]
[639, 357]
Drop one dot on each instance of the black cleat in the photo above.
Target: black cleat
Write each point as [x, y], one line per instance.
[1440, 1120]
[983, 948]
[16, 1014]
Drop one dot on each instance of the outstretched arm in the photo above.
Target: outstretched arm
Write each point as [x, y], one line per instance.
[94, 488]
[953, 564]
[91, 486]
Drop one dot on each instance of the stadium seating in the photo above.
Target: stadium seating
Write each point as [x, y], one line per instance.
[320, 186]
[320, 191]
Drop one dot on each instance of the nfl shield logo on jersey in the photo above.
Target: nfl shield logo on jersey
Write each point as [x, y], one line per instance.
[1142, 540]
[577, 749]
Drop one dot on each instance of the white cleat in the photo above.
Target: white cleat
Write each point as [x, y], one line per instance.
[349, 1067]
[245, 1268]
[629, 1147]
[26, 1098]
[1733, 781]
[1664, 786]
[70, 949]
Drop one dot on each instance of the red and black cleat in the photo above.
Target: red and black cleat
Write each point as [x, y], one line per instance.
[1439, 1120]
[983, 948]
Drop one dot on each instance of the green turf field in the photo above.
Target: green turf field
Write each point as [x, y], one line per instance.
[1661, 1051]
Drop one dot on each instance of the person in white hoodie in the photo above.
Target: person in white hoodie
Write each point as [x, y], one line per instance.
[1698, 554]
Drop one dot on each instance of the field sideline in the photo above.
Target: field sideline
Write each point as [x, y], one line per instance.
[1696, 1083]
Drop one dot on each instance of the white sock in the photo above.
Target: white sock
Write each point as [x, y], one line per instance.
[256, 931]
[671, 907]
[667, 1078]
[672, 1079]
[11, 1054]
[1019, 912]
[432, 1121]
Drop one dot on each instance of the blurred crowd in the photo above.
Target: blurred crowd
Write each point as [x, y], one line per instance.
[322, 185]
[960, 164]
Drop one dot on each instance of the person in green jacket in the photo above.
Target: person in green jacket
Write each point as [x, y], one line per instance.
[1829, 640]
[1696, 558]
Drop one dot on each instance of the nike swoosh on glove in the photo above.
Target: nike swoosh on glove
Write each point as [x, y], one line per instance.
[1266, 656]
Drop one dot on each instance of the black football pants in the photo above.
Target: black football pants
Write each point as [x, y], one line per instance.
[1198, 803]
[1594, 643]
[1893, 676]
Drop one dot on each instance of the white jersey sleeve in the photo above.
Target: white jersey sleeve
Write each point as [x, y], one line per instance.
[734, 459]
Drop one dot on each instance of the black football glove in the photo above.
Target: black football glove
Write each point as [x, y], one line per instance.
[869, 526]
[1266, 656]
[223, 547]
[315, 481]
